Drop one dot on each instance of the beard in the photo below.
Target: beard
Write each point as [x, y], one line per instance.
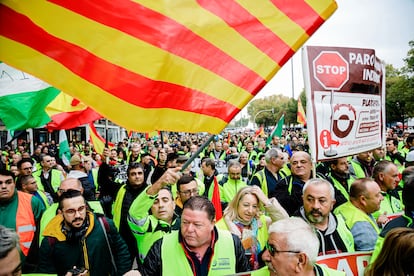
[76, 221]
[315, 219]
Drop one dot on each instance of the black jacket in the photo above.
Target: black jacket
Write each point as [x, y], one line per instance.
[403, 221]
[330, 242]
[153, 264]
[289, 197]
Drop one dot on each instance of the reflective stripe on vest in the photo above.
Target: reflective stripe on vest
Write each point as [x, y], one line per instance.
[117, 206]
[222, 263]
[341, 188]
[56, 179]
[352, 215]
[358, 170]
[345, 234]
[261, 176]
[95, 178]
[25, 221]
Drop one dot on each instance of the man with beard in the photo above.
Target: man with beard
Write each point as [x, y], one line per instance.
[78, 238]
[67, 184]
[341, 179]
[124, 198]
[318, 201]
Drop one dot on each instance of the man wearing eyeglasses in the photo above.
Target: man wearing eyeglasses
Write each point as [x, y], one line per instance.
[186, 188]
[292, 249]
[78, 238]
[52, 210]
[25, 166]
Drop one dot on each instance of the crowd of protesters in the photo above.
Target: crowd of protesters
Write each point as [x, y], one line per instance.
[131, 208]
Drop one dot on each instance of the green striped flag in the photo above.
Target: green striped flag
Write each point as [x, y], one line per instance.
[23, 99]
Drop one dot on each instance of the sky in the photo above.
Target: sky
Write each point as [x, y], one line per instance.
[383, 25]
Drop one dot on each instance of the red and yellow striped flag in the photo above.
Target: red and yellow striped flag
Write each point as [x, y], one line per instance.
[177, 65]
[301, 115]
[97, 140]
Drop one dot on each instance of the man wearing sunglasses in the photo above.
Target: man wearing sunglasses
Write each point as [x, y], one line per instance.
[292, 249]
[78, 238]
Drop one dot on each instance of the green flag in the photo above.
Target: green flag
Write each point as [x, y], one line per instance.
[64, 150]
[277, 130]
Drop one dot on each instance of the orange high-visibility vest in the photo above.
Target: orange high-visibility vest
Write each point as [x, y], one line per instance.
[25, 221]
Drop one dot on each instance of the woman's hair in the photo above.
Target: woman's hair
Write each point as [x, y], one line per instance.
[231, 210]
[397, 254]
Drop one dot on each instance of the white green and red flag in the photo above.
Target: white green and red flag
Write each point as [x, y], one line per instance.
[64, 149]
[23, 99]
[28, 102]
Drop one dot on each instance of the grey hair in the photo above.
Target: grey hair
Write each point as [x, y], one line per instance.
[319, 181]
[233, 163]
[8, 241]
[300, 236]
[273, 152]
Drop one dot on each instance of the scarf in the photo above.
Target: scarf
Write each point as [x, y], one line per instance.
[249, 241]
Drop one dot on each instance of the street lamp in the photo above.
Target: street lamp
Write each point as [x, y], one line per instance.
[261, 111]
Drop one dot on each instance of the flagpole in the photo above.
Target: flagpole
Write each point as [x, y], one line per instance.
[293, 79]
[162, 139]
[197, 153]
[106, 133]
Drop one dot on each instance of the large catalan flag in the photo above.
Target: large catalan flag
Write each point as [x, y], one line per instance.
[177, 65]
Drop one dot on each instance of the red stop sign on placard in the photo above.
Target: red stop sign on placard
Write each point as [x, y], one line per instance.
[331, 70]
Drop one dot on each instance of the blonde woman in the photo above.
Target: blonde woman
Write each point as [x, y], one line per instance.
[244, 217]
